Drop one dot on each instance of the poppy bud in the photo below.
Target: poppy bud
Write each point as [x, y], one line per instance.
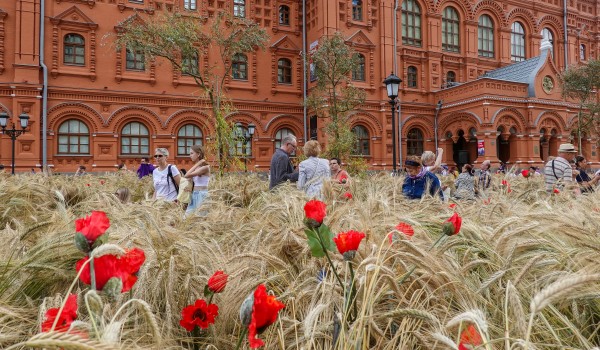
[113, 287]
[246, 310]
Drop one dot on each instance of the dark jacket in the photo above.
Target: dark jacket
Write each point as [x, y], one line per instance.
[415, 188]
[281, 169]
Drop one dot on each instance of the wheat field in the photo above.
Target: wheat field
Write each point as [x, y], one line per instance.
[523, 270]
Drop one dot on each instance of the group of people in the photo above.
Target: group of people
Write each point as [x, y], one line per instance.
[558, 175]
[312, 173]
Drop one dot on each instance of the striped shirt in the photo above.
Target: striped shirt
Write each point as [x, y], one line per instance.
[557, 177]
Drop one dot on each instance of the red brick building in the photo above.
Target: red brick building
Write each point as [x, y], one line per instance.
[482, 59]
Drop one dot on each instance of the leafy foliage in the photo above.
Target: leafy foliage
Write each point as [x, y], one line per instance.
[184, 39]
[581, 83]
[334, 96]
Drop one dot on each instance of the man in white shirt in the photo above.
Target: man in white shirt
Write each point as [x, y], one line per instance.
[558, 172]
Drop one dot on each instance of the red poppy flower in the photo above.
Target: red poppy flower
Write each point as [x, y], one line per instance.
[452, 206]
[556, 191]
[315, 211]
[525, 173]
[88, 185]
[101, 182]
[406, 229]
[66, 317]
[108, 266]
[505, 183]
[470, 336]
[92, 226]
[217, 282]
[348, 195]
[347, 243]
[199, 314]
[264, 313]
[452, 225]
[343, 179]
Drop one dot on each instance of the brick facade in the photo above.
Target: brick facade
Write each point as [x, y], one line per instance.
[102, 112]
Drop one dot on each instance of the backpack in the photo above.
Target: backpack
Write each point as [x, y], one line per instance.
[170, 176]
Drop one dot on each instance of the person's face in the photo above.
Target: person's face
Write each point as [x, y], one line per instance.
[194, 156]
[144, 161]
[333, 164]
[291, 147]
[483, 166]
[160, 158]
[413, 170]
[583, 163]
[569, 156]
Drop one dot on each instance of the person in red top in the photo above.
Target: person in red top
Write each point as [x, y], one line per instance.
[337, 174]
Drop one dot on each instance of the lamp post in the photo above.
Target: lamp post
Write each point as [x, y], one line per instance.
[14, 132]
[242, 136]
[392, 82]
[438, 107]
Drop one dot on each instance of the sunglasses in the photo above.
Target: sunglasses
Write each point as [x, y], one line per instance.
[158, 156]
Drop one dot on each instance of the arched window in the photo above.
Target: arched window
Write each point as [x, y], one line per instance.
[414, 142]
[582, 52]
[135, 60]
[188, 136]
[411, 23]
[357, 10]
[548, 36]
[74, 50]
[450, 78]
[279, 135]
[73, 137]
[485, 36]
[239, 8]
[284, 15]
[359, 72]
[361, 148]
[242, 146]
[411, 74]
[517, 42]
[239, 67]
[284, 71]
[135, 139]
[189, 65]
[450, 30]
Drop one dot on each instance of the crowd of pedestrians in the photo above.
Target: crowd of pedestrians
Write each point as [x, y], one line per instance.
[563, 172]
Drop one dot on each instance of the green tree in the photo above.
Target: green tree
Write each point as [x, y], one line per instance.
[334, 96]
[182, 39]
[581, 84]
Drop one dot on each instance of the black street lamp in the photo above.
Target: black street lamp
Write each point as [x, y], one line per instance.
[242, 136]
[13, 133]
[392, 83]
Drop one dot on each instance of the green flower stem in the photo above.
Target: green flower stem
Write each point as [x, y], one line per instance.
[436, 242]
[210, 299]
[407, 275]
[352, 292]
[329, 259]
[242, 335]
[195, 337]
[92, 273]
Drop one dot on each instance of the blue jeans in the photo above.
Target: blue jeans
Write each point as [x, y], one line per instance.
[197, 198]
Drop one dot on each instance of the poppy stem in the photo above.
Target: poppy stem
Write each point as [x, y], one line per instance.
[210, 299]
[436, 242]
[92, 274]
[242, 335]
[414, 267]
[352, 292]
[195, 337]
[333, 268]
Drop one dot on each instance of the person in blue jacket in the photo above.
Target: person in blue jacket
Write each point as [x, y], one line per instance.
[419, 181]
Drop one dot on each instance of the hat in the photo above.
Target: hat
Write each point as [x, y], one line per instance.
[566, 148]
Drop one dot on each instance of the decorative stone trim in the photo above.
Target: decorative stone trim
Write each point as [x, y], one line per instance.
[3, 15]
